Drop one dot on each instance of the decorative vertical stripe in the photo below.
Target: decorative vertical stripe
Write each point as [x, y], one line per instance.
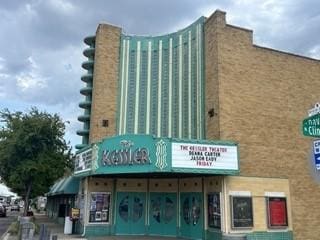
[120, 131]
[189, 85]
[170, 90]
[126, 89]
[160, 84]
[180, 87]
[148, 89]
[136, 113]
[200, 83]
[159, 89]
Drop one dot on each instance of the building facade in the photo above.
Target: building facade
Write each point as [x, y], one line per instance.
[196, 134]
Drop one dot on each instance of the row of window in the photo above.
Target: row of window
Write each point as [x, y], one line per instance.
[242, 211]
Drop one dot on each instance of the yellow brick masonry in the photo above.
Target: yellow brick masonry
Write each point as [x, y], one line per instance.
[258, 187]
[105, 82]
[261, 96]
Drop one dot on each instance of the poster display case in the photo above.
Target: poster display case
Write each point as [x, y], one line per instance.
[214, 213]
[99, 207]
[277, 212]
[242, 212]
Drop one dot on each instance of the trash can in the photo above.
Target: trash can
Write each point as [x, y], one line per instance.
[67, 226]
[234, 237]
[27, 230]
[23, 220]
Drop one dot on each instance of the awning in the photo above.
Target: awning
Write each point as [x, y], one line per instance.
[67, 185]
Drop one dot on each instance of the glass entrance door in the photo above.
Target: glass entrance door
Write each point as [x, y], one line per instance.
[191, 215]
[130, 213]
[163, 214]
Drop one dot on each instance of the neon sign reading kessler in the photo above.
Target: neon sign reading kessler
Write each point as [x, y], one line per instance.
[125, 156]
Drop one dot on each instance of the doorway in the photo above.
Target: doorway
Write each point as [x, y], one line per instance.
[163, 214]
[191, 215]
[130, 213]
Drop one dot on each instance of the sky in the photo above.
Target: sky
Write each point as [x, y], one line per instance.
[5, 191]
[41, 41]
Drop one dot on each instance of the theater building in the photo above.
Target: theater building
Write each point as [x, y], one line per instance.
[197, 134]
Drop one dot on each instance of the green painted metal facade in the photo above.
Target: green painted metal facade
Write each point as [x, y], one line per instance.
[161, 84]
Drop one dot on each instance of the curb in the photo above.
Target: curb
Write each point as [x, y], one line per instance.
[5, 236]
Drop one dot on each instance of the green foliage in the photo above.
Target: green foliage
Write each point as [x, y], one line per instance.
[14, 228]
[33, 152]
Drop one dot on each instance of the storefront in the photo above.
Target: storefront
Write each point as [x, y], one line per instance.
[139, 184]
[142, 185]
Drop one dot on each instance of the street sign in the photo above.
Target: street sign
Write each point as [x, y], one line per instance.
[316, 153]
[315, 110]
[311, 126]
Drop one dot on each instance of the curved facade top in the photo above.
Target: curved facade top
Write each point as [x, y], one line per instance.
[161, 84]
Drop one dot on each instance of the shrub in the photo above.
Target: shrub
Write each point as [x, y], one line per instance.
[14, 228]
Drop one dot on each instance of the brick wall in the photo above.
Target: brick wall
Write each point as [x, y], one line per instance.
[263, 96]
[105, 82]
[258, 187]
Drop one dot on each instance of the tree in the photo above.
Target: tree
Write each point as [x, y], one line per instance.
[33, 152]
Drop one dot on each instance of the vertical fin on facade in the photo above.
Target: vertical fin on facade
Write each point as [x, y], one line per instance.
[86, 91]
[161, 84]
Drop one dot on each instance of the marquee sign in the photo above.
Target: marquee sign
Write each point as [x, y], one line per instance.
[205, 156]
[83, 161]
[148, 154]
[86, 160]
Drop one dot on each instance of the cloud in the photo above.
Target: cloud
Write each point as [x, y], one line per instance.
[30, 80]
[42, 43]
[287, 25]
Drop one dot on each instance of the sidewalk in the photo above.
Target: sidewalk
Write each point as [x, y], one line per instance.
[58, 229]
[54, 228]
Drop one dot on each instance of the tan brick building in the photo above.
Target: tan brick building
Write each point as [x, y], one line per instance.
[195, 89]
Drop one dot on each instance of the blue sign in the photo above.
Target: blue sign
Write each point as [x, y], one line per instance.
[316, 153]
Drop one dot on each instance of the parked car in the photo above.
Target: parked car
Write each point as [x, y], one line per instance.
[3, 211]
[15, 207]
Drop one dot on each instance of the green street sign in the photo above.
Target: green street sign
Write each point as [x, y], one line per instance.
[311, 126]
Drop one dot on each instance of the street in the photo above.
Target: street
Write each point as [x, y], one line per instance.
[6, 221]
